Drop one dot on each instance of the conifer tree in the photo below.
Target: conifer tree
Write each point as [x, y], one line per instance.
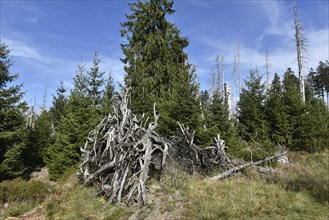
[321, 80]
[95, 82]
[220, 123]
[297, 112]
[59, 104]
[37, 141]
[315, 84]
[184, 107]
[316, 127]
[251, 111]
[11, 118]
[204, 134]
[108, 96]
[275, 111]
[79, 119]
[156, 65]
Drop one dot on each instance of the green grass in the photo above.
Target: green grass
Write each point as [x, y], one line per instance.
[75, 202]
[244, 198]
[299, 190]
[308, 173]
[22, 195]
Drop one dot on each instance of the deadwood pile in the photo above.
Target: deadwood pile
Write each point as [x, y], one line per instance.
[122, 152]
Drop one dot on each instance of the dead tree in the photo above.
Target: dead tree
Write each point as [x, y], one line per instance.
[195, 159]
[227, 99]
[219, 77]
[267, 67]
[31, 115]
[212, 82]
[238, 68]
[301, 50]
[121, 153]
[236, 169]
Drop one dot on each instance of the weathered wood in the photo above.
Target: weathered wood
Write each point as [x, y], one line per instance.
[122, 152]
[234, 170]
[118, 155]
[196, 159]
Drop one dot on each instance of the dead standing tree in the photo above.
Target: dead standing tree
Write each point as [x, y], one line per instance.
[120, 154]
[301, 50]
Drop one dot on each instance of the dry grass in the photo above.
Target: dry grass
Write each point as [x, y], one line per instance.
[75, 202]
[22, 196]
[243, 198]
[299, 190]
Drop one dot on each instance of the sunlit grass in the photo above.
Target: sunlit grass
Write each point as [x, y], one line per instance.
[244, 198]
[298, 191]
[75, 202]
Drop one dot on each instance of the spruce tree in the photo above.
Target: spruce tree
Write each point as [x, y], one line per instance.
[203, 135]
[316, 136]
[95, 82]
[275, 111]
[298, 114]
[59, 103]
[156, 65]
[11, 118]
[37, 141]
[79, 119]
[185, 105]
[251, 109]
[220, 123]
[108, 96]
[322, 78]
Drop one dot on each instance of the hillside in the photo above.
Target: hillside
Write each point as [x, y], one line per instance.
[298, 190]
[160, 110]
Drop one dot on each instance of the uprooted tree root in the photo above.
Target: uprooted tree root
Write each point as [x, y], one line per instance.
[121, 154]
[196, 159]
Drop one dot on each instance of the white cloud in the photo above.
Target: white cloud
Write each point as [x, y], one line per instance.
[32, 20]
[21, 49]
[318, 48]
[272, 10]
[28, 6]
[114, 66]
[282, 51]
[279, 18]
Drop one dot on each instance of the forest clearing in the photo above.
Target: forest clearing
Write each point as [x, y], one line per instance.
[158, 144]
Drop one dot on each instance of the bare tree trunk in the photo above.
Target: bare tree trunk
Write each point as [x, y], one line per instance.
[219, 77]
[300, 45]
[267, 67]
[328, 100]
[234, 170]
[238, 59]
[228, 102]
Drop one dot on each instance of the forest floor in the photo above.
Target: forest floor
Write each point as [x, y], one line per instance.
[297, 190]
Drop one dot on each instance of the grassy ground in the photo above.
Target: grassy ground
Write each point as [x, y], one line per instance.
[298, 190]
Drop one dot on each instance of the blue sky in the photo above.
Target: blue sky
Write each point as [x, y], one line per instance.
[49, 38]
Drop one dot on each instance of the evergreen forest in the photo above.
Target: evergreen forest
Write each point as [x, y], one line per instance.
[266, 116]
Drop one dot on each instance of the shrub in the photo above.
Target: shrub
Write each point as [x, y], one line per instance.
[18, 190]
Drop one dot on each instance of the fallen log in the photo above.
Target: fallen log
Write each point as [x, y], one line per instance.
[234, 170]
